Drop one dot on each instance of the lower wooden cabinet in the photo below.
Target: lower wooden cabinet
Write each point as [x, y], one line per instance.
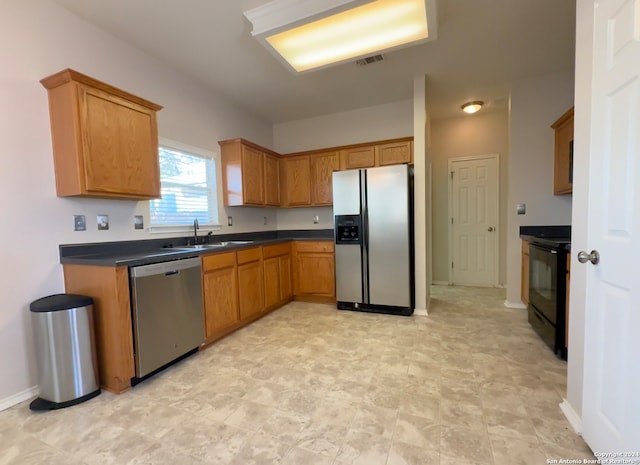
[524, 273]
[250, 282]
[277, 274]
[314, 271]
[220, 288]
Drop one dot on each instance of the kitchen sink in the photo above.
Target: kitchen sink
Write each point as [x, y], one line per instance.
[211, 245]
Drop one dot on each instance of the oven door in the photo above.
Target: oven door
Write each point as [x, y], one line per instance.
[543, 281]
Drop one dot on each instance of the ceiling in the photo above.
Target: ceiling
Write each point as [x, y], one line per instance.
[482, 46]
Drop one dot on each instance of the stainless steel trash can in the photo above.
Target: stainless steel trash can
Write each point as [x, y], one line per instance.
[65, 350]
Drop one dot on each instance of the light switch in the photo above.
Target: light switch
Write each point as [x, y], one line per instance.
[521, 209]
[316, 219]
[229, 220]
[103, 222]
[79, 223]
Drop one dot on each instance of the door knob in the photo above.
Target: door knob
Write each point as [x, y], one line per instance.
[593, 257]
[490, 229]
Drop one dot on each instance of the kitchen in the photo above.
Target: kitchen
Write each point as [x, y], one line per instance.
[196, 116]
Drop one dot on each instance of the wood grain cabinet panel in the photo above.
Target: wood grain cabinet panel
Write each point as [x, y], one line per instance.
[295, 175]
[358, 157]
[272, 180]
[524, 273]
[220, 288]
[250, 174]
[314, 271]
[395, 153]
[109, 288]
[322, 167]
[563, 159]
[277, 274]
[105, 140]
[253, 176]
[271, 281]
[250, 285]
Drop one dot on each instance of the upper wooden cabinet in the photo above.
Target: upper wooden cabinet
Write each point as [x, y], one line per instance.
[395, 153]
[271, 181]
[295, 178]
[105, 140]
[255, 176]
[322, 167]
[563, 165]
[391, 152]
[358, 157]
[248, 173]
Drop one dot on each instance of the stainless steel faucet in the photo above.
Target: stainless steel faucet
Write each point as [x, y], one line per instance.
[196, 226]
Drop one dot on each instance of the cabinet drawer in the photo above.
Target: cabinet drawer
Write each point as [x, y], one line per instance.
[217, 261]
[276, 250]
[314, 246]
[249, 255]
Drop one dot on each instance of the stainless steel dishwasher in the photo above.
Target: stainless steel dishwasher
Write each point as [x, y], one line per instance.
[168, 316]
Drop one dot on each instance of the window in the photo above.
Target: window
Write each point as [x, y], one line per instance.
[188, 187]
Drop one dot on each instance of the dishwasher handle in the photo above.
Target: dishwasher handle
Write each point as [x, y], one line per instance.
[164, 268]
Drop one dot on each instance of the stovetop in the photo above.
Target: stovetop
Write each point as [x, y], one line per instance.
[551, 236]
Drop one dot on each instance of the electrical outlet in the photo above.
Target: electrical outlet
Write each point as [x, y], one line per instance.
[79, 223]
[265, 220]
[229, 220]
[103, 222]
[316, 219]
[521, 209]
[138, 222]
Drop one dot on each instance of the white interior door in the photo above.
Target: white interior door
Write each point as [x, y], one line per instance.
[611, 392]
[474, 218]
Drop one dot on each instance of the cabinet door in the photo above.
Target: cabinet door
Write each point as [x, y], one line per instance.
[563, 159]
[322, 167]
[395, 153]
[271, 281]
[120, 145]
[272, 180]
[286, 286]
[250, 289]
[524, 285]
[252, 176]
[296, 185]
[220, 299]
[360, 157]
[315, 274]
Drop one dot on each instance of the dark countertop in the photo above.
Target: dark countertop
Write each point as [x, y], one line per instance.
[552, 236]
[145, 252]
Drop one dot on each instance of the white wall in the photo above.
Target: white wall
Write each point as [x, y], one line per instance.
[535, 104]
[468, 135]
[40, 38]
[378, 122]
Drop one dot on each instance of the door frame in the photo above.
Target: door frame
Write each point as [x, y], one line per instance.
[450, 162]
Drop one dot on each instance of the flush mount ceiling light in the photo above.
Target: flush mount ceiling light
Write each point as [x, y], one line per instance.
[472, 107]
[312, 34]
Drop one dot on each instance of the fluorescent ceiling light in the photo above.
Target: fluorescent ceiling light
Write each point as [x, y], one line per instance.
[472, 107]
[312, 34]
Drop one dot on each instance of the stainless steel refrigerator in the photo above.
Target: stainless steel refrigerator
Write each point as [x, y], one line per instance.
[373, 229]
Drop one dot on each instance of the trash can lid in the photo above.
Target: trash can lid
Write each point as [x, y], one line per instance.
[54, 303]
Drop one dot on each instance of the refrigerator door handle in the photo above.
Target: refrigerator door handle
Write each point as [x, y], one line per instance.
[365, 236]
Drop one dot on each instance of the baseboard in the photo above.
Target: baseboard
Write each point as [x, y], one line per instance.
[572, 417]
[511, 304]
[420, 312]
[440, 283]
[18, 397]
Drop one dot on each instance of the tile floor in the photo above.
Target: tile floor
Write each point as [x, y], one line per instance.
[471, 384]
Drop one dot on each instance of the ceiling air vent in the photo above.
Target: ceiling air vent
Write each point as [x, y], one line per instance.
[369, 60]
